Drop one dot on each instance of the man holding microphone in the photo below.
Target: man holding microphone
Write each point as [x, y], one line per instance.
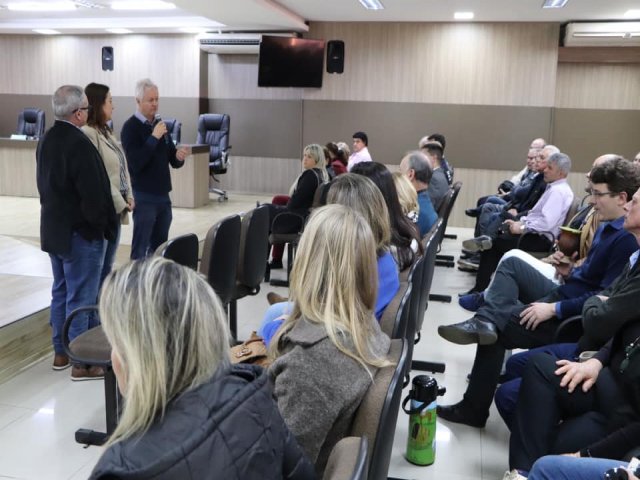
[150, 151]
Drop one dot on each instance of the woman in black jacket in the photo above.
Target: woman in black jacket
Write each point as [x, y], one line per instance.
[187, 413]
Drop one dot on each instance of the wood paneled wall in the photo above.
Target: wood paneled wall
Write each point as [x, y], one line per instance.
[37, 65]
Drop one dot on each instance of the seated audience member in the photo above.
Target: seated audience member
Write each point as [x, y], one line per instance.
[522, 308]
[571, 467]
[591, 408]
[493, 214]
[360, 150]
[417, 168]
[185, 407]
[361, 195]
[337, 160]
[407, 196]
[446, 166]
[636, 159]
[439, 184]
[301, 193]
[545, 219]
[326, 353]
[405, 242]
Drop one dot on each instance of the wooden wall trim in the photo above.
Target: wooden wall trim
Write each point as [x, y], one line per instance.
[620, 55]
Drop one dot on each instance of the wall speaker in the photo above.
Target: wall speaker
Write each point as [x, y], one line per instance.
[107, 58]
[335, 56]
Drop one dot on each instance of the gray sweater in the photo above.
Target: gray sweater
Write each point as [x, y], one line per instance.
[318, 388]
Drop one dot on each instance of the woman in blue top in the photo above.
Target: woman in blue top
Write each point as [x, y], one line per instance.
[360, 194]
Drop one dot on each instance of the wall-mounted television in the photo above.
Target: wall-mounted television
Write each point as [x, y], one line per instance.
[290, 62]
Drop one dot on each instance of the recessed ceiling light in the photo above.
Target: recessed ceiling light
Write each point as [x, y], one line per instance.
[372, 4]
[554, 3]
[46, 31]
[632, 14]
[119, 30]
[41, 6]
[142, 5]
[463, 15]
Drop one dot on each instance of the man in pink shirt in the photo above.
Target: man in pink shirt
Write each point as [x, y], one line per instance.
[360, 150]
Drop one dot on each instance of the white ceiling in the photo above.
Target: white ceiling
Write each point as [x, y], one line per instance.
[291, 14]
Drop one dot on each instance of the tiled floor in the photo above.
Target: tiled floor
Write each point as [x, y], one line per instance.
[40, 409]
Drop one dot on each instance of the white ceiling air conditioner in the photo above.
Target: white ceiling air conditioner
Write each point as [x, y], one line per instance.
[602, 34]
[234, 43]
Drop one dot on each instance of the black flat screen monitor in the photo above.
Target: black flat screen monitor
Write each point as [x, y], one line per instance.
[290, 62]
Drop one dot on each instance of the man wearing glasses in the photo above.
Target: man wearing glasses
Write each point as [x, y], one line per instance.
[76, 216]
[522, 308]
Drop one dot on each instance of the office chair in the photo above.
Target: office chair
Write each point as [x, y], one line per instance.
[31, 122]
[174, 127]
[213, 130]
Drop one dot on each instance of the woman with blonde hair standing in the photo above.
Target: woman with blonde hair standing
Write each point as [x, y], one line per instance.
[187, 413]
[327, 351]
[100, 134]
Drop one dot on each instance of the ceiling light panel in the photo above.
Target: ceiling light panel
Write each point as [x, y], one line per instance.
[41, 6]
[632, 14]
[142, 5]
[372, 4]
[554, 3]
[46, 31]
[119, 30]
[463, 15]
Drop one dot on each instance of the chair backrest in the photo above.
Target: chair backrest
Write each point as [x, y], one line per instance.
[254, 247]
[377, 414]
[31, 122]
[182, 250]
[213, 130]
[396, 313]
[447, 207]
[348, 460]
[174, 127]
[220, 253]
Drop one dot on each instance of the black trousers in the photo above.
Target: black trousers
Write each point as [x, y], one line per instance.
[504, 242]
[549, 419]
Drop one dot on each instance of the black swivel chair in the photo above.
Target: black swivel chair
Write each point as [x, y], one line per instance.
[213, 130]
[174, 127]
[31, 122]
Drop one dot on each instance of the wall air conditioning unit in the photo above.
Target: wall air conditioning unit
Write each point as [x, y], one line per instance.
[235, 43]
[602, 34]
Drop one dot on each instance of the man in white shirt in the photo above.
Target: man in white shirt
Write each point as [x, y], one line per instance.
[360, 150]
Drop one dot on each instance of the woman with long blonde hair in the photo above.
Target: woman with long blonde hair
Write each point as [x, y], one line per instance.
[184, 404]
[326, 352]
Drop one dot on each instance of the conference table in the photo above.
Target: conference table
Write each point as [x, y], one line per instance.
[18, 173]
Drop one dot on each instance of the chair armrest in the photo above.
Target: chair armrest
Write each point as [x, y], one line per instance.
[287, 222]
[570, 330]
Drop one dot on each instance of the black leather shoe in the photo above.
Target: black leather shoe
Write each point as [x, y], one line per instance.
[472, 212]
[470, 331]
[458, 413]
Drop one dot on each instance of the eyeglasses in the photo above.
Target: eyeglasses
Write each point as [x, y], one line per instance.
[82, 108]
[595, 193]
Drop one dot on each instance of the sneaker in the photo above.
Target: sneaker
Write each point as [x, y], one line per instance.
[478, 244]
[273, 297]
[275, 264]
[471, 302]
[468, 265]
[81, 373]
[60, 362]
[513, 475]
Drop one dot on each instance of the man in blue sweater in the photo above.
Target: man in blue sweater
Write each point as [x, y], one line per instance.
[417, 168]
[522, 308]
[149, 151]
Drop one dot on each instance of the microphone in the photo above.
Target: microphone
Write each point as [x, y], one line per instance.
[157, 120]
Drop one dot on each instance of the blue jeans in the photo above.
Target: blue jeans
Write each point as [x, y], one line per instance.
[151, 222]
[110, 255]
[271, 322]
[76, 280]
[559, 467]
[506, 395]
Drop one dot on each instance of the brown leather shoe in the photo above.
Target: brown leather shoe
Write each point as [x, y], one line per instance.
[60, 361]
[80, 373]
[273, 297]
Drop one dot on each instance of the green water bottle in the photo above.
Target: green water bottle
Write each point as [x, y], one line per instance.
[421, 443]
